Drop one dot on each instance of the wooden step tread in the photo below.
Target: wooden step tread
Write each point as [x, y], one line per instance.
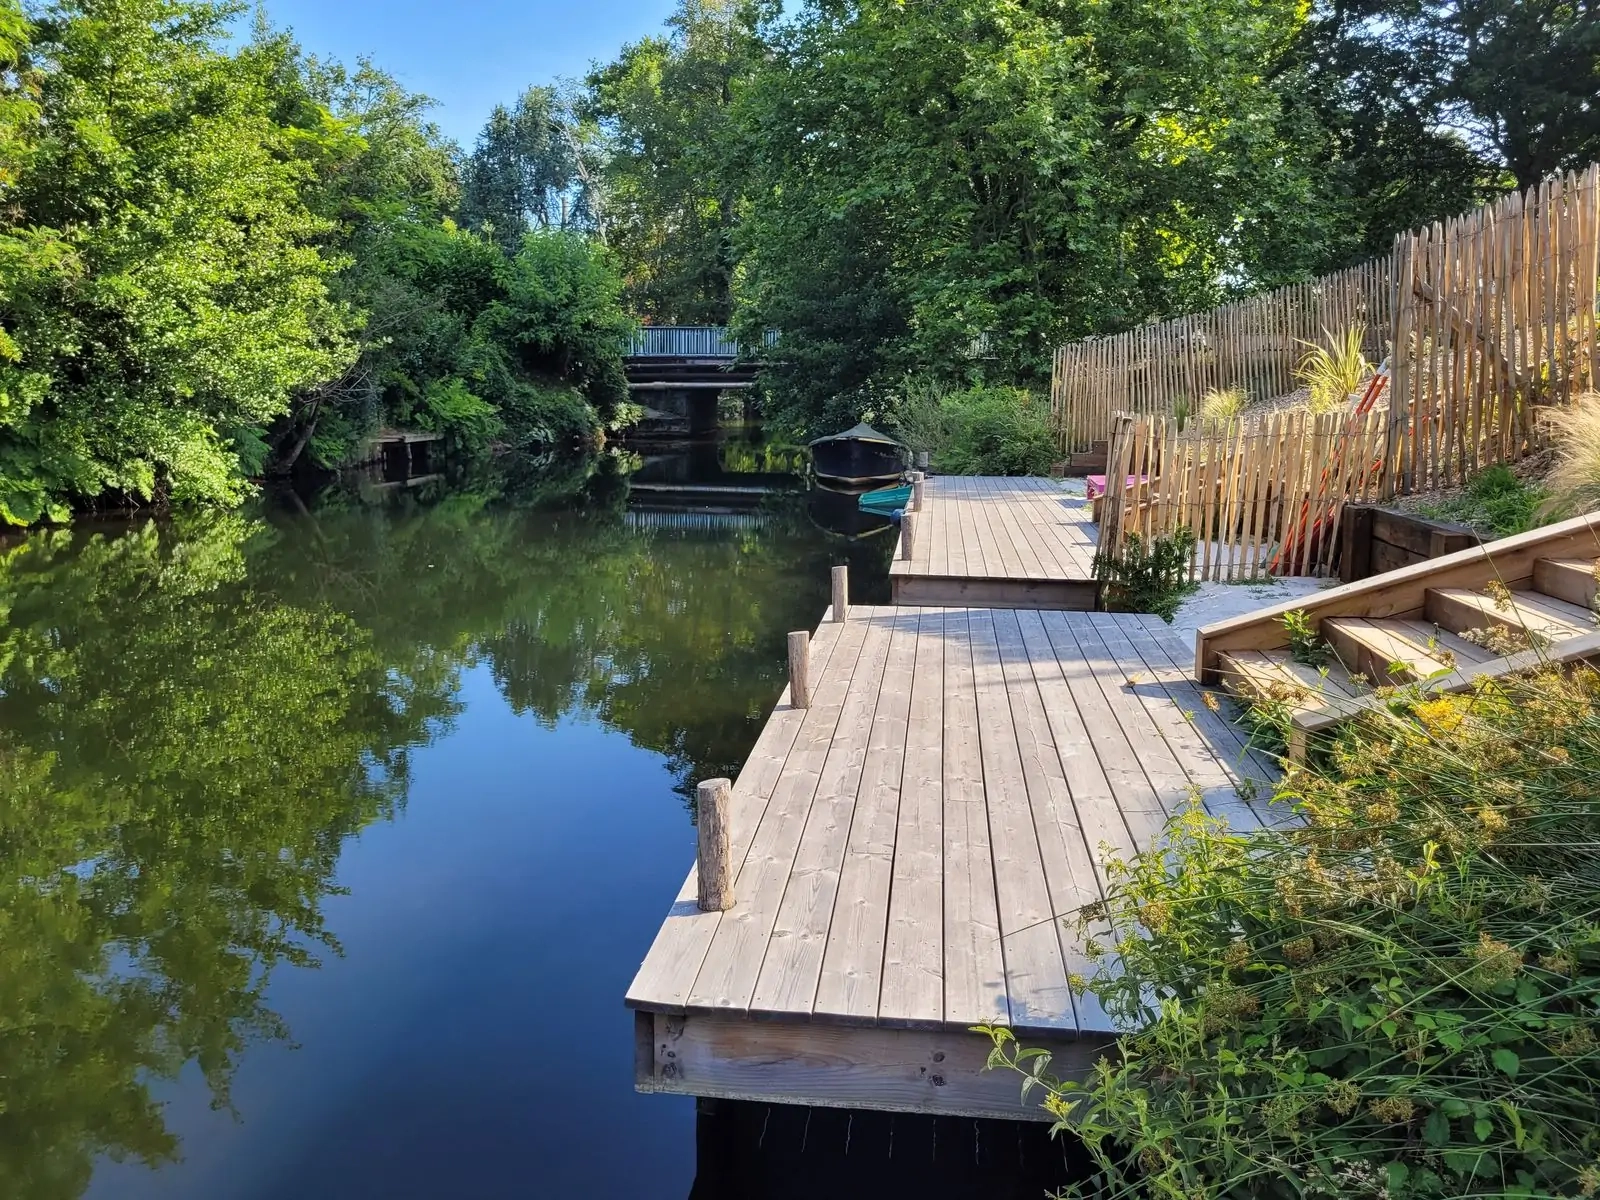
[1442, 640]
[1569, 579]
[1386, 650]
[1461, 609]
[1272, 674]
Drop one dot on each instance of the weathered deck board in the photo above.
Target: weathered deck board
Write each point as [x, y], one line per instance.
[907, 848]
[1021, 542]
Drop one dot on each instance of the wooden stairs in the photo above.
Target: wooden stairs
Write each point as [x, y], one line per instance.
[1441, 624]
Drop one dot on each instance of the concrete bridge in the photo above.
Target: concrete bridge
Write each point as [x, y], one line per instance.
[680, 370]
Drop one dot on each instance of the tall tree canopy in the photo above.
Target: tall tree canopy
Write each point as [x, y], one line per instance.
[675, 166]
[535, 167]
[924, 174]
[162, 287]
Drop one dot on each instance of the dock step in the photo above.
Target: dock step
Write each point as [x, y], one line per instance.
[1571, 579]
[1389, 651]
[1463, 610]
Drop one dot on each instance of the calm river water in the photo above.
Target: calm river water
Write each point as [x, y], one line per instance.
[334, 829]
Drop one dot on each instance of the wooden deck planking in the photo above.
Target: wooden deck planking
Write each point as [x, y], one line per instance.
[738, 946]
[1002, 529]
[685, 936]
[912, 850]
[852, 963]
[792, 965]
[913, 953]
[1036, 973]
[974, 966]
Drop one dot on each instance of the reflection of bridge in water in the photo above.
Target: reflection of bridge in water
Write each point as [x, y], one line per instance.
[680, 371]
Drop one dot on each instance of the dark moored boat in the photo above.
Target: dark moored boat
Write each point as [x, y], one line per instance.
[858, 456]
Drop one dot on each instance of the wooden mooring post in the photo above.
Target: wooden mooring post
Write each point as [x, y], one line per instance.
[917, 481]
[800, 669]
[715, 870]
[908, 534]
[841, 593]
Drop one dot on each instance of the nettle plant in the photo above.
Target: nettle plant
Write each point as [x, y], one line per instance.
[1398, 997]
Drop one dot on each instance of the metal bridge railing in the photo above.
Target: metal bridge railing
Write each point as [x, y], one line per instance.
[688, 341]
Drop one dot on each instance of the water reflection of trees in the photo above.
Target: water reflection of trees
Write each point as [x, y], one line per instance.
[194, 716]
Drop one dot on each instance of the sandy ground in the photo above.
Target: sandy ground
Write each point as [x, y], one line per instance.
[1218, 601]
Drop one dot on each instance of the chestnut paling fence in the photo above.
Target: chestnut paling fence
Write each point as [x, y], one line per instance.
[1487, 321]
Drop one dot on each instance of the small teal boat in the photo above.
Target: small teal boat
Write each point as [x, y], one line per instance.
[886, 501]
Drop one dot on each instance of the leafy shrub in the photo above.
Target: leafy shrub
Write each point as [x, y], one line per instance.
[1495, 502]
[1333, 371]
[1396, 998]
[1574, 481]
[995, 431]
[918, 416]
[1305, 642]
[1223, 404]
[1150, 577]
[468, 422]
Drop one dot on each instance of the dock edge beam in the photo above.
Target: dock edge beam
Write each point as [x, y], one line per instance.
[940, 1072]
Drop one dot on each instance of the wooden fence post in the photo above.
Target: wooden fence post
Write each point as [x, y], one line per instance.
[908, 533]
[715, 870]
[841, 593]
[918, 484]
[800, 669]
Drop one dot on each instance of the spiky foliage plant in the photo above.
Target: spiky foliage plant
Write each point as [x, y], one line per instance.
[1331, 371]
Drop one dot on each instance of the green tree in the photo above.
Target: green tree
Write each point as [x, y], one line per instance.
[162, 288]
[535, 167]
[674, 169]
[936, 172]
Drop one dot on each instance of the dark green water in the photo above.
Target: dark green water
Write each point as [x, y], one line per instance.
[332, 830]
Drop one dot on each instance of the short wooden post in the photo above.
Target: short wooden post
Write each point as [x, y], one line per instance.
[715, 872]
[841, 593]
[922, 460]
[908, 534]
[800, 669]
[917, 485]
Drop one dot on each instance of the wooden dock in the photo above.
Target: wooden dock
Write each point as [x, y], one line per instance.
[902, 849]
[998, 542]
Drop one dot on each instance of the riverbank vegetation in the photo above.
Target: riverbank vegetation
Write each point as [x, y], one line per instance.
[1395, 998]
[220, 258]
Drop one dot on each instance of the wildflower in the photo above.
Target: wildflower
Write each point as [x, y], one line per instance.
[1439, 716]
[1299, 950]
[1382, 812]
[1342, 1096]
[1497, 591]
[1576, 1042]
[1237, 956]
[1491, 820]
[1589, 1176]
[1057, 1106]
[1392, 1110]
[1282, 1112]
[1496, 962]
[1155, 916]
[1559, 963]
[1209, 699]
[1077, 983]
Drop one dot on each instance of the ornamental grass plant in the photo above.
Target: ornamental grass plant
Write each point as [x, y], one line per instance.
[1397, 997]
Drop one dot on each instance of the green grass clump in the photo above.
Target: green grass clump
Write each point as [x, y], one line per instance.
[1495, 502]
[1398, 997]
[1223, 404]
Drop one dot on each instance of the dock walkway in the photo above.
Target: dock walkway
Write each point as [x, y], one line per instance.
[999, 542]
[904, 846]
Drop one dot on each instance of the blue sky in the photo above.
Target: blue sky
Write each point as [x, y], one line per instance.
[472, 54]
